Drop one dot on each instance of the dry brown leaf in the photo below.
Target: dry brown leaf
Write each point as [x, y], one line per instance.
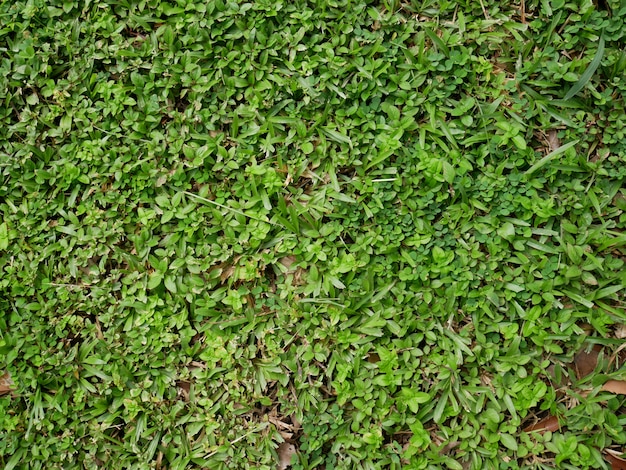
[615, 386]
[553, 139]
[547, 424]
[450, 446]
[184, 388]
[620, 332]
[373, 358]
[226, 273]
[585, 361]
[296, 423]
[279, 423]
[6, 384]
[285, 452]
[287, 261]
[617, 463]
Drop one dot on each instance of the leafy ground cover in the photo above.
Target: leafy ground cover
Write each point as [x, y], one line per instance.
[326, 234]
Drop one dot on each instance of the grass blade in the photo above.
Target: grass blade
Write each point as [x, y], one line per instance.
[231, 209]
[591, 69]
[551, 156]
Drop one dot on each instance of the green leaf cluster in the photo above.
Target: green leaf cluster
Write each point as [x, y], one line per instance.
[378, 230]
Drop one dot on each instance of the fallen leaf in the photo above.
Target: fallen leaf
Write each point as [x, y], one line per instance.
[373, 358]
[615, 386]
[585, 361]
[617, 463]
[620, 332]
[285, 452]
[449, 447]
[226, 273]
[6, 384]
[548, 424]
[295, 422]
[553, 139]
[559, 378]
[287, 261]
[184, 387]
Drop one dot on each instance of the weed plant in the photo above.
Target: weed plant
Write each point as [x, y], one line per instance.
[377, 231]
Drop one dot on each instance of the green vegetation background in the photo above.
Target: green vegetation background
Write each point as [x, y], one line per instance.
[379, 231]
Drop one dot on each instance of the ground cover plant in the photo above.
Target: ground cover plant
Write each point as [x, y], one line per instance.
[318, 234]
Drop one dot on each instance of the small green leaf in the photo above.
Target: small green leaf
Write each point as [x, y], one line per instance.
[66, 122]
[507, 231]
[32, 99]
[442, 257]
[154, 280]
[448, 172]
[508, 441]
[307, 148]
[519, 141]
[4, 236]
[589, 278]
[170, 284]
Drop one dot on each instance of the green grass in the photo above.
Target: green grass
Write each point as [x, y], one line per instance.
[377, 231]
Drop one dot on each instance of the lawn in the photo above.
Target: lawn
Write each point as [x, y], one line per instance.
[333, 234]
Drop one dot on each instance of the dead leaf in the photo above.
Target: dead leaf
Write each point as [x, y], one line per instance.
[617, 463]
[226, 273]
[161, 181]
[547, 424]
[553, 139]
[285, 452]
[620, 332]
[559, 378]
[298, 277]
[184, 388]
[295, 422]
[287, 261]
[585, 361]
[615, 386]
[373, 358]
[450, 446]
[6, 384]
[279, 423]
[616, 354]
